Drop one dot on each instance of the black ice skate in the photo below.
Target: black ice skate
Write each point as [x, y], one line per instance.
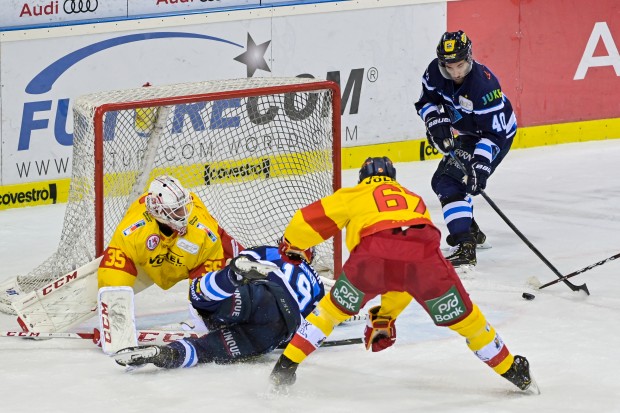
[519, 375]
[476, 232]
[464, 255]
[160, 356]
[283, 374]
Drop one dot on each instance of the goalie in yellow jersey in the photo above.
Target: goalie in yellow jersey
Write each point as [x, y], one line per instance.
[167, 235]
[395, 254]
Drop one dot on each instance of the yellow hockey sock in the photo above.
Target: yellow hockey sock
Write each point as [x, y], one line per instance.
[484, 341]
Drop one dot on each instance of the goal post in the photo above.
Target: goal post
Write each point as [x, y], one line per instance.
[254, 150]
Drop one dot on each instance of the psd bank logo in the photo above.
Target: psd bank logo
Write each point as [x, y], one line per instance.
[36, 114]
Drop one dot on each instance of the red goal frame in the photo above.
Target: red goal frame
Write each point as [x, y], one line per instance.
[101, 110]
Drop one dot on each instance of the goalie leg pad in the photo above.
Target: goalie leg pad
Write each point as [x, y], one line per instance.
[116, 319]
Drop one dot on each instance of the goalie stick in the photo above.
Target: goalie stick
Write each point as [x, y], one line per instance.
[144, 336]
[157, 337]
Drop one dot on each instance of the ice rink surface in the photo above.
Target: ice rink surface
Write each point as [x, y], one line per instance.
[563, 198]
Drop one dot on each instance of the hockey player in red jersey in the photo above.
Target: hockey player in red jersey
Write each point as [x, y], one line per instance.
[394, 253]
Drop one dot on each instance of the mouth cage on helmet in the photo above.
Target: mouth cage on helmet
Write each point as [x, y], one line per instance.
[454, 47]
[169, 203]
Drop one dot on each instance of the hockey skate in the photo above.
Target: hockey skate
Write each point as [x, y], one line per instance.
[464, 256]
[476, 232]
[283, 374]
[248, 268]
[160, 356]
[519, 375]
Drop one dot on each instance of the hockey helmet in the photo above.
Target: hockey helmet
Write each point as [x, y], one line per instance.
[377, 167]
[453, 47]
[169, 203]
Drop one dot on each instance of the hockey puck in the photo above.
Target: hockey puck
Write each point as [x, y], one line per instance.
[528, 296]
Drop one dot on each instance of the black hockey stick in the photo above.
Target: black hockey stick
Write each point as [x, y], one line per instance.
[527, 242]
[584, 269]
[335, 343]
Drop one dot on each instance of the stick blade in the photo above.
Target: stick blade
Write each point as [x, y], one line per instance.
[534, 282]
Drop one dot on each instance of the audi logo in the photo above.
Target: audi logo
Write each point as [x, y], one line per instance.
[80, 6]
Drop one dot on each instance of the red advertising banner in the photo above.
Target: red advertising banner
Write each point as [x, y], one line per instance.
[557, 60]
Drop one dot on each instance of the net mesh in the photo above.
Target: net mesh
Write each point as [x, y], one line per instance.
[253, 159]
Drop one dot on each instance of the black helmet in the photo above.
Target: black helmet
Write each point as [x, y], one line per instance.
[453, 47]
[377, 167]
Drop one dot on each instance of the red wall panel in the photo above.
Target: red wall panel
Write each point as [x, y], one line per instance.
[535, 48]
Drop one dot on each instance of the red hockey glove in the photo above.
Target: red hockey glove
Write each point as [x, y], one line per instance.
[294, 255]
[380, 331]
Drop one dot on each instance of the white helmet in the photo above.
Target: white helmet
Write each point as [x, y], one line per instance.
[169, 203]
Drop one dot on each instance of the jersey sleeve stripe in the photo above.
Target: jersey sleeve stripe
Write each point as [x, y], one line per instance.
[487, 149]
[511, 127]
[495, 108]
[426, 110]
[211, 290]
[315, 216]
[420, 208]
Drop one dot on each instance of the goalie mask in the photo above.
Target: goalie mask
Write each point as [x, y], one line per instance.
[454, 47]
[377, 167]
[169, 203]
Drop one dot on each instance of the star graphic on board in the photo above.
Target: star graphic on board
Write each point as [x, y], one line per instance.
[254, 56]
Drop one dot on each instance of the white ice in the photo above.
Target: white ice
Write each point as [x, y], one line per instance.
[563, 198]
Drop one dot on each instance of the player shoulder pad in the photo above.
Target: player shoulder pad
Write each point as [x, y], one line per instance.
[485, 88]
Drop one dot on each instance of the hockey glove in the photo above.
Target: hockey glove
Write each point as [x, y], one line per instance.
[479, 172]
[439, 133]
[294, 255]
[380, 331]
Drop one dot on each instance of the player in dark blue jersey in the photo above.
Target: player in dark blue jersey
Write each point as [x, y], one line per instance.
[464, 96]
[250, 307]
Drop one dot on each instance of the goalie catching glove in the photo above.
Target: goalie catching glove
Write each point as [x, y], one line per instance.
[380, 331]
[294, 255]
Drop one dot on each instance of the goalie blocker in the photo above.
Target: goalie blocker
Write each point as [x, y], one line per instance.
[117, 325]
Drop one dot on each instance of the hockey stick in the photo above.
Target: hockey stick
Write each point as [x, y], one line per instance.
[157, 337]
[45, 336]
[570, 285]
[584, 269]
[334, 343]
[144, 336]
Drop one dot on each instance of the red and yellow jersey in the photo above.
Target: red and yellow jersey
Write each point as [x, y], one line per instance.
[138, 243]
[375, 204]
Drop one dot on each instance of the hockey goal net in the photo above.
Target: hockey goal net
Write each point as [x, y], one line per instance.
[254, 150]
